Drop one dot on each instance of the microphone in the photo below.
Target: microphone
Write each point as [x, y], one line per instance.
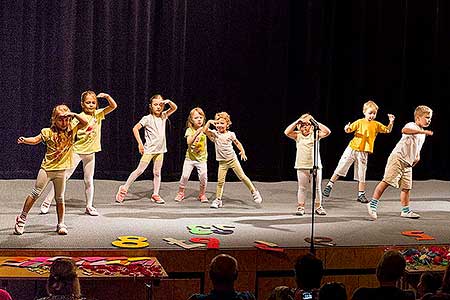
[314, 123]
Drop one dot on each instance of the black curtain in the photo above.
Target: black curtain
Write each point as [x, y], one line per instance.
[264, 62]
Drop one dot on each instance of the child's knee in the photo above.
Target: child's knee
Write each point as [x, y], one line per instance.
[59, 199]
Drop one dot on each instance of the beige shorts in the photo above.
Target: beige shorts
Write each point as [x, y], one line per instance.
[398, 173]
[149, 157]
[358, 158]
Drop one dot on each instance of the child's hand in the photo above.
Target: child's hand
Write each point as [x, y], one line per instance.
[103, 95]
[391, 117]
[347, 126]
[141, 149]
[21, 140]
[166, 101]
[428, 132]
[243, 156]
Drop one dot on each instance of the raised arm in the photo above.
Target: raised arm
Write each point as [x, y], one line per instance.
[324, 131]
[208, 132]
[137, 136]
[191, 138]
[391, 123]
[30, 140]
[241, 149]
[82, 121]
[407, 130]
[172, 107]
[290, 130]
[112, 105]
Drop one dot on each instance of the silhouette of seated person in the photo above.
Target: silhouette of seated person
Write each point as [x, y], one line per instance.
[4, 295]
[428, 285]
[443, 292]
[223, 272]
[333, 291]
[308, 276]
[63, 283]
[390, 269]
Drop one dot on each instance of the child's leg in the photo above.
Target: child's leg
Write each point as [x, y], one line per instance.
[202, 170]
[302, 182]
[51, 195]
[360, 169]
[188, 165]
[136, 173]
[237, 169]
[318, 200]
[221, 174]
[157, 166]
[88, 173]
[59, 183]
[344, 164]
[372, 206]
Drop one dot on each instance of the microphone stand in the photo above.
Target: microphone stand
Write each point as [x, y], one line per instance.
[314, 179]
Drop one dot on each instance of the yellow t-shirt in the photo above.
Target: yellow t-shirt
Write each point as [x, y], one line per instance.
[87, 140]
[59, 149]
[197, 151]
[365, 133]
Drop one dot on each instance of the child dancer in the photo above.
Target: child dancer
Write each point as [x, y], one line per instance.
[304, 138]
[87, 143]
[154, 125]
[406, 154]
[196, 154]
[359, 148]
[223, 140]
[58, 158]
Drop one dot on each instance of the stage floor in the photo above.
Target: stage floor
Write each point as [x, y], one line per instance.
[275, 221]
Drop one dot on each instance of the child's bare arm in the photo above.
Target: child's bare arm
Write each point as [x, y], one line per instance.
[191, 138]
[407, 130]
[30, 140]
[137, 136]
[290, 130]
[172, 107]
[206, 130]
[324, 131]
[241, 149]
[112, 105]
[391, 122]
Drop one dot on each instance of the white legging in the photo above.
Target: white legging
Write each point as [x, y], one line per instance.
[304, 180]
[202, 171]
[143, 164]
[88, 174]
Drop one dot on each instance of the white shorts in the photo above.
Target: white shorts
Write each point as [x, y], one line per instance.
[349, 157]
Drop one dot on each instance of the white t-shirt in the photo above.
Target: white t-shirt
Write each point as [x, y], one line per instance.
[224, 145]
[155, 134]
[409, 146]
[305, 151]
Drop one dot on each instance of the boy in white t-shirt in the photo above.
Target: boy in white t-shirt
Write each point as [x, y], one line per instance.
[406, 154]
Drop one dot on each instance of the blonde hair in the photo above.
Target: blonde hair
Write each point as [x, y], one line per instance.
[88, 93]
[57, 111]
[370, 104]
[151, 101]
[190, 122]
[225, 116]
[422, 110]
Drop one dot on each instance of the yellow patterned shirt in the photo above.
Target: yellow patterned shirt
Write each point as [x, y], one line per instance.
[59, 149]
[87, 140]
[197, 151]
[365, 133]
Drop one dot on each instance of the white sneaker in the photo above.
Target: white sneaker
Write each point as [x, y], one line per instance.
[372, 213]
[300, 211]
[321, 211]
[45, 206]
[179, 197]
[61, 229]
[92, 211]
[257, 197]
[19, 227]
[157, 199]
[410, 214]
[217, 203]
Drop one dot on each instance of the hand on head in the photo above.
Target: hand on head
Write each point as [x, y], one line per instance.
[102, 95]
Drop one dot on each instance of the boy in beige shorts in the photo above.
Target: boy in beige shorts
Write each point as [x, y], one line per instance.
[358, 150]
[406, 154]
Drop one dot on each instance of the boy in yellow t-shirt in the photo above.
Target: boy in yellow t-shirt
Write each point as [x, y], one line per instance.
[357, 152]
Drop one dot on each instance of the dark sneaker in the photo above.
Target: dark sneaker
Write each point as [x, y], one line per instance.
[327, 191]
[362, 198]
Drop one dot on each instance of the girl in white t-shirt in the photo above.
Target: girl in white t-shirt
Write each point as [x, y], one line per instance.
[302, 132]
[196, 154]
[87, 143]
[223, 140]
[154, 148]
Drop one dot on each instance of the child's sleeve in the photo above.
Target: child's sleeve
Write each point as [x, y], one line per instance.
[233, 136]
[100, 114]
[144, 121]
[382, 128]
[188, 132]
[45, 135]
[354, 126]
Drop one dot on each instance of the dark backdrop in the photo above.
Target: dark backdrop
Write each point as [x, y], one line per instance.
[264, 62]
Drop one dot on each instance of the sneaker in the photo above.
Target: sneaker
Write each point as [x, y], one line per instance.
[362, 198]
[44, 208]
[179, 197]
[410, 214]
[202, 198]
[121, 193]
[257, 197]
[19, 226]
[157, 199]
[217, 203]
[327, 191]
[90, 210]
[61, 229]
[300, 211]
[372, 213]
[321, 211]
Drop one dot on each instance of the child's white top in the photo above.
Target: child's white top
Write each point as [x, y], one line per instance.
[409, 146]
[305, 151]
[224, 145]
[155, 133]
